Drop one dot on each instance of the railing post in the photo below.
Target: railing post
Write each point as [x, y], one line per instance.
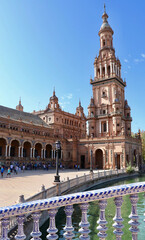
[43, 190]
[133, 216]
[84, 224]
[102, 221]
[52, 230]
[118, 219]
[84, 177]
[5, 224]
[68, 183]
[20, 234]
[36, 233]
[98, 174]
[77, 180]
[68, 227]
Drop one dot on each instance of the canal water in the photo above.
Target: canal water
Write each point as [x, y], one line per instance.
[93, 216]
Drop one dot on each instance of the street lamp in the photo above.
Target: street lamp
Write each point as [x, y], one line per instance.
[91, 165]
[58, 147]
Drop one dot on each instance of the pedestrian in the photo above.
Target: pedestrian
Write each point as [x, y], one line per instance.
[9, 172]
[2, 171]
[78, 167]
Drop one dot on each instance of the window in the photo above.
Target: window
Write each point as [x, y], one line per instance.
[56, 119]
[128, 114]
[104, 127]
[49, 119]
[104, 111]
[128, 128]
[118, 124]
[103, 43]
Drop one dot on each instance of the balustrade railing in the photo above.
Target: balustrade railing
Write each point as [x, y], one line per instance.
[35, 208]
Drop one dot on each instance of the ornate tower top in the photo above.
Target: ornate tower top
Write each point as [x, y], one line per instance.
[19, 106]
[105, 25]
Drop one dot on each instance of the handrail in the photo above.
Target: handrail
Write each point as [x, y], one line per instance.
[71, 199]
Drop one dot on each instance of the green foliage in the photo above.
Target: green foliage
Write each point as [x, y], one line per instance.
[129, 169]
[143, 144]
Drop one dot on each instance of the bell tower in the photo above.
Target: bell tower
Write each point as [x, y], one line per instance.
[107, 109]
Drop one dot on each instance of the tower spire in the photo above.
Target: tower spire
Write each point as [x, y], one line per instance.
[104, 8]
[54, 91]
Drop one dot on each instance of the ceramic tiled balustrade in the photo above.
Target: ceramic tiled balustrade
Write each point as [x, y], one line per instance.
[83, 199]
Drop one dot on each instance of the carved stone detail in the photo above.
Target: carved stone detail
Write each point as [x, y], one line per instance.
[84, 224]
[5, 224]
[102, 221]
[68, 228]
[36, 233]
[118, 219]
[52, 230]
[134, 217]
[20, 233]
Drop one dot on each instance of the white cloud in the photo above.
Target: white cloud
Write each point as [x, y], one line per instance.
[125, 60]
[143, 55]
[69, 96]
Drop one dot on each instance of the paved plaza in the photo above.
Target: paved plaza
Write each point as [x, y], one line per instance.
[29, 183]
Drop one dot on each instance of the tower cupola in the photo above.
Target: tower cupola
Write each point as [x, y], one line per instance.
[19, 107]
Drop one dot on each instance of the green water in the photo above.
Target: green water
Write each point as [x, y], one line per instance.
[93, 216]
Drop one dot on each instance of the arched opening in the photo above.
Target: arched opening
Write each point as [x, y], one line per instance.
[99, 159]
[103, 71]
[26, 150]
[38, 148]
[14, 148]
[98, 73]
[48, 151]
[103, 42]
[2, 147]
[108, 71]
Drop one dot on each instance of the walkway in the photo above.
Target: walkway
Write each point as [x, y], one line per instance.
[29, 183]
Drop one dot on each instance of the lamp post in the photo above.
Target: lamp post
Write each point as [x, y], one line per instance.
[58, 147]
[91, 165]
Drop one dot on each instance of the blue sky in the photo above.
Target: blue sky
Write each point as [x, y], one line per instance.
[54, 42]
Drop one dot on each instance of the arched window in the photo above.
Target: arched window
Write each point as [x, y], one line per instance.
[103, 42]
[103, 71]
[98, 73]
[104, 127]
[108, 71]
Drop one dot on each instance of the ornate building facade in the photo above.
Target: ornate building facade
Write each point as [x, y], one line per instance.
[30, 137]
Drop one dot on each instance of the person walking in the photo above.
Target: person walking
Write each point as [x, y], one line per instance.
[9, 172]
[2, 171]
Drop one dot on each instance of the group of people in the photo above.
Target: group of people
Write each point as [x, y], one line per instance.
[15, 167]
[77, 167]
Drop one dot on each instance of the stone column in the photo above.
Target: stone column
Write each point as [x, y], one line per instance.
[100, 70]
[52, 154]
[22, 152]
[111, 68]
[33, 152]
[36, 232]
[6, 150]
[100, 126]
[19, 148]
[30, 152]
[61, 154]
[9, 150]
[134, 216]
[95, 71]
[107, 126]
[42, 153]
[102, 220]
